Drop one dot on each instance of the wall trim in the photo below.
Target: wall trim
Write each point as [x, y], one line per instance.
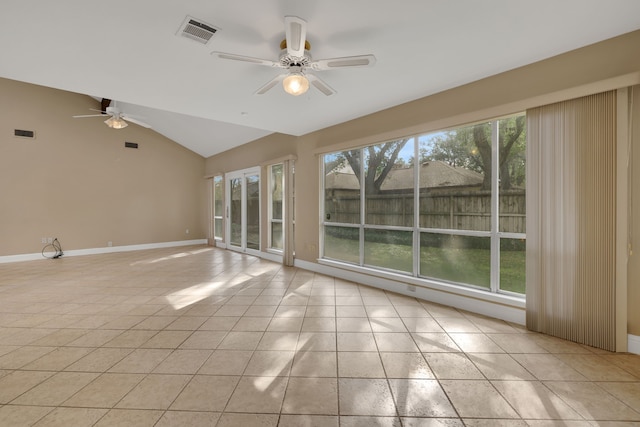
[633, 345]
[277, 160]
[106, 250]
[270, 256]
[509, 312]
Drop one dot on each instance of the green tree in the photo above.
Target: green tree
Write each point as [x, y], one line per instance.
[455, 147]
[380, 159]
[470, 148]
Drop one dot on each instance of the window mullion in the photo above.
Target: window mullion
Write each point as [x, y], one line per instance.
[495, 205]
[363, 202]
[269, 205]
[321, 211]
[416, 207]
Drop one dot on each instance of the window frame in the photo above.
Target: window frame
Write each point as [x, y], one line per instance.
[220, 217]
[270, 200]
[494, 234]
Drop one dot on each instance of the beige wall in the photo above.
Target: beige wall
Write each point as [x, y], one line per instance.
[76, 180]
[271, 147]
[607, 65]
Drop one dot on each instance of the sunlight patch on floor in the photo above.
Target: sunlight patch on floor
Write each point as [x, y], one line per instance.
[193, 294]
[171, 257]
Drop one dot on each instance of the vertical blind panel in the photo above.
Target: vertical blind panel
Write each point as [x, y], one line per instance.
[571, 175]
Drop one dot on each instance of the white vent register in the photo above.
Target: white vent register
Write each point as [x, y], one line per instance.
[196, 30]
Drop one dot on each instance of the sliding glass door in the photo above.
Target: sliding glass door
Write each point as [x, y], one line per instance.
[243, 210]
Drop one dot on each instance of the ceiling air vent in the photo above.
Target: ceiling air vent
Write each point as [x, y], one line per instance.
[197, 30]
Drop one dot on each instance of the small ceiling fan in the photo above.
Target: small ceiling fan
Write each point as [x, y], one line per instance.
[296, 59]
[117, 119]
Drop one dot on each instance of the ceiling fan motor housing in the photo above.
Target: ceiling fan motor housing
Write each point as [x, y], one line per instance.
[287, 60]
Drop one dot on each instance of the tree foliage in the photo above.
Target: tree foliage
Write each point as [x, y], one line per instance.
[470, 148]
[379, 160]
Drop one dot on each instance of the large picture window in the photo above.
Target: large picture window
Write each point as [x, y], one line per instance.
[446, 206]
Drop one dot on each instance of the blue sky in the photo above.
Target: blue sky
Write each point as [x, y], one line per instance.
[424, 140]
[407, 151]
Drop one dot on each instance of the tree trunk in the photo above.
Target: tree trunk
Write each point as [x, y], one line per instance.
[505, 149]
[505, 176]
[484, 148]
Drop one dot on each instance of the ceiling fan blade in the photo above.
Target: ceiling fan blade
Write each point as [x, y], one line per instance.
[258, 61]
[89, 115]
[135, 121]
[296, 34]
[344, 62]
[277, 79]
[319, 84]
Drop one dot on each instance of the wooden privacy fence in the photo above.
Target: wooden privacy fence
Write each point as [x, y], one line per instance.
[469, 210]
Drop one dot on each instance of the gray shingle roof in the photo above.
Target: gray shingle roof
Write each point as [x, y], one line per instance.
[433, 174]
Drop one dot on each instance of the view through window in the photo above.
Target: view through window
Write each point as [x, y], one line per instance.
[218, 207]
[276, 184]
[447, 205]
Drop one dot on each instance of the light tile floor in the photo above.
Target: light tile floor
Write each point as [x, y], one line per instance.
[198, 336]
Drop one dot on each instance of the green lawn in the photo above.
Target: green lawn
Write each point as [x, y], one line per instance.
[471, 266]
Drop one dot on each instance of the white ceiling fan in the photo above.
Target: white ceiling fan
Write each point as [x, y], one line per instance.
[117, 119]
[296, 59]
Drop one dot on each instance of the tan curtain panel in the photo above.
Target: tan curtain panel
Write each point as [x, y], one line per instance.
[571, 227]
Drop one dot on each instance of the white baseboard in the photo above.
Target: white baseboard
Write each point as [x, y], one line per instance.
[105, 250]
[19, 258]
[271, 257]
[514, 313]
[633, 345]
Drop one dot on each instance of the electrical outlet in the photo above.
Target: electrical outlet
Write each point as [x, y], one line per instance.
[186, 231]
[49, 239]
[43, 240]
[109, 243]
[411, 288]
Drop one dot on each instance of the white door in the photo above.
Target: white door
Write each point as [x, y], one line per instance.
[243, 210]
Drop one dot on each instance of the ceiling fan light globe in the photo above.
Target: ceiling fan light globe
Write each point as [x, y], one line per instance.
[116, 123]
[295, 84]
[120, 124]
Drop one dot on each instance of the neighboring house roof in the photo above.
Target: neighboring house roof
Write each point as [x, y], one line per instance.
[433, 174]
[342, 180]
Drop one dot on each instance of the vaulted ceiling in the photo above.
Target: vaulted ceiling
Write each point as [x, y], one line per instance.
[131, 51]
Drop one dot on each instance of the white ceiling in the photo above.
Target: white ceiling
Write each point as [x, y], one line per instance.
[128, 50]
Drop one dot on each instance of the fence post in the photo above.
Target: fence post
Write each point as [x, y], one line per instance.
[451, 216]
